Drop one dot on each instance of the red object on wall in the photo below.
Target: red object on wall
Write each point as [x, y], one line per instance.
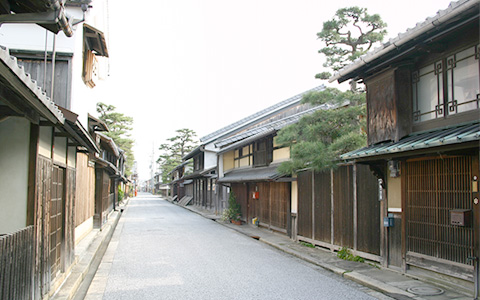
[255, 195]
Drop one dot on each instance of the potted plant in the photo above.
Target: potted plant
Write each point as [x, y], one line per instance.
[233, 212]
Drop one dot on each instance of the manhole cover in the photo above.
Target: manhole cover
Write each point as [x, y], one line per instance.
[425, 290]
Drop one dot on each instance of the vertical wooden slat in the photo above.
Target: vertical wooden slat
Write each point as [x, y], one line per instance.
[15, 264]
[322, 199]
[304, 218]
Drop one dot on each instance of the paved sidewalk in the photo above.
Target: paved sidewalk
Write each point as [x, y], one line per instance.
[90, 249]
[386, 281]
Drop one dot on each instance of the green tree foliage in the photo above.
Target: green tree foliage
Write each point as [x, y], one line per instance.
[120, 127]
[348, 35]
[318, 139]
[174, 149]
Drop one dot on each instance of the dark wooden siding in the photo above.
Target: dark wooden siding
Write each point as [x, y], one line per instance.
[386, 103]
[317, 226]
[42, 202]
[264, 201]
[240, 191]
[343, 206]
[279, 199]
[304, 218]
[323, 207]
[69, 232]
[368, 211]
[63, 86]
[253, 204]
[102, 196]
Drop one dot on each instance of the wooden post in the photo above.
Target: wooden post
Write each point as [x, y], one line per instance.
[476, 213]
[355, 207]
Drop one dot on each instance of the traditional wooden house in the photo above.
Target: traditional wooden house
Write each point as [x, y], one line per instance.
[423, 99]
[201, 182]
[38, 147]
[177, 187]
[206, 191]
[248, 163]
[109, 171]
[49, 45]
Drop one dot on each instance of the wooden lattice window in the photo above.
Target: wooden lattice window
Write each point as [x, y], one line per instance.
[434, 187]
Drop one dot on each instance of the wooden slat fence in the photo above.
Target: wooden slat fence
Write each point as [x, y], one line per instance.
[340, 208]
[17, 264]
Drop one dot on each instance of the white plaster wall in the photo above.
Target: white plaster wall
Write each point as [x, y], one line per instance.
[14, 158]
[83, 229]
[45, 141]
[210, 160]
[60, 150]
[84, 99]
[72, 157]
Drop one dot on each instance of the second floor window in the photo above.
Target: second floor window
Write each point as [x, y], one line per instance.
[262, 153]
[449, 86]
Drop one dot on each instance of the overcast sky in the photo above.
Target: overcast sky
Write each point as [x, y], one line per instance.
[203, 64]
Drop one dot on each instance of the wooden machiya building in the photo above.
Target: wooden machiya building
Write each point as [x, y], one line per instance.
[200, 183]
[423, 106]
[38, 146]
[248, 166]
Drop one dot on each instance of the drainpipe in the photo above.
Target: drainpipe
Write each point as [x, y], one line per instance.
[62, 19]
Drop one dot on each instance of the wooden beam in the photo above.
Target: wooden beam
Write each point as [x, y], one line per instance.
[17, 105]
[62, 134]
[6, 111]
[32, 174]
[46, 124]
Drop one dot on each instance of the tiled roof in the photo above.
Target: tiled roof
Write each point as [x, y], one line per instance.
[441, 137]
[258, 115]
[454, 9]
[266, 129]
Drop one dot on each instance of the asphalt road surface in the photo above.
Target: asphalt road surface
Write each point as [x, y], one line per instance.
[163, 251]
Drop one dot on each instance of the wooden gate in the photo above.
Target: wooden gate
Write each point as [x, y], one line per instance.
[433, 188]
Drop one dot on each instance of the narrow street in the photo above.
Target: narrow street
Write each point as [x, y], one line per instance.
[162, 251]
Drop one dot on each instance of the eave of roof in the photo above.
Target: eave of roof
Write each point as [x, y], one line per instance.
[49, 14]
[256, 116]
[110, 142]
[433, 139]
[96, 124]
[268, 173]
[78, 132]
[15, 79]
[193, 152]
[430, 24]
[255, 133]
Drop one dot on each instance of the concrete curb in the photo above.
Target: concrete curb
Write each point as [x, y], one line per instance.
[394, 290]
[79, 271]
